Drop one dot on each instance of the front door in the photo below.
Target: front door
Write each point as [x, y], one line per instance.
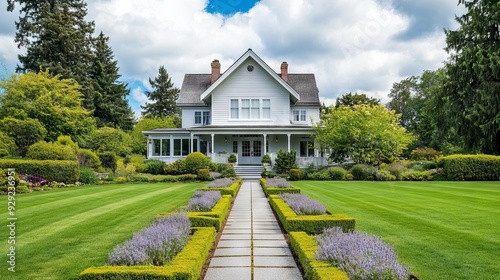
[251, 151]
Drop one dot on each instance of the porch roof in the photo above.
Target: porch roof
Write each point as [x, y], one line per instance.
[227, 129]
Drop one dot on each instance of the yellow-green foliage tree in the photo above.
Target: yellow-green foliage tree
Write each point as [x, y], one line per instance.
[139, 139]
[108, 139]
[54, 102]
[363, 133]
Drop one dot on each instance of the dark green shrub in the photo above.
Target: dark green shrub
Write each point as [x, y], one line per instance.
[108, 160]
[87, 176]
[231, 158]
[396, 169]
[266, 159]
[195, 161]
[425, 154]
[154, 166]
[285, 161]
[322, 175]
[364, 172]
[204, 175]
[87, 158]
[267, 174]
[471, 167]
[7, 145]
[220, 167]
[295, 174]
[50, 151]
[175, 168]
[417, 176]
[65, 171]
[422, 165]
[384, 175]
[228, 173]
[337, 173]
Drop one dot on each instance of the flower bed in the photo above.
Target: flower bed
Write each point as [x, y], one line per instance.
[187, 264]
[277, 186]
[202, 201]
[302, 204]
[156, 244]
[312, 224]
[360, 255]
[225, 186]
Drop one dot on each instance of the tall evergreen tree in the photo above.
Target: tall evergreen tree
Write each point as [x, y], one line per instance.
[164, 95]
[352, 99]
[110, 103]
[474, 75]
[56, 36]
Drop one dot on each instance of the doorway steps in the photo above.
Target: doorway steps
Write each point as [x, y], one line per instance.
[248, 171]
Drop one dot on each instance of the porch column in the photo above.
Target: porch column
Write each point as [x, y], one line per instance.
[213, 145]
[288, 135]
[191, 143]
[265, 140]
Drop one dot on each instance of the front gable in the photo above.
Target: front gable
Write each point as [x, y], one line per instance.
[250, 62]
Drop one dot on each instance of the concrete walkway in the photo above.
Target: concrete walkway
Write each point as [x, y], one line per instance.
[252, 246]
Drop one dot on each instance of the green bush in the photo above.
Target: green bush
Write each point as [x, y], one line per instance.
[285, 161]
[66, 140]
[175, 168]
[471, 167]
[7, 145]
[425, 154]
[228, 173]
[50, 151]
[422, 165]
[417, 176]
[204, 175]
[154, 166]
[195, 161]
[337, 173]
[295, 174]
[65, 171]
[87, 158]
[267, 174]
[87, 176]
[187, 177]
[364, 172]
[137, 161]
[384, 175]
[396, 169]
[121, 180]
[22, 189]
[108, 160]
[231, 158]
[266, 159]
[322, 175]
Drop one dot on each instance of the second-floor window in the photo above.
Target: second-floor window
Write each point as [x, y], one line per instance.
[250, 109]
[202, 117]
[299, 115]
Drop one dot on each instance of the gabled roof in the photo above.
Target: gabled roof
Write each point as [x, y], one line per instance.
[196, 88]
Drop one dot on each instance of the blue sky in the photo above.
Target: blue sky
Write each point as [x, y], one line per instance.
[351, 46]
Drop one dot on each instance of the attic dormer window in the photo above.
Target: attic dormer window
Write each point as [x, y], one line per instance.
[250, 68]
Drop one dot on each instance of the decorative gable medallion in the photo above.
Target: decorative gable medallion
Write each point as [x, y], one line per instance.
[250, 68]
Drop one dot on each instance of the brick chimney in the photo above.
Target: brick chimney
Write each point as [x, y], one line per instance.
[284, 71]
[215, 71]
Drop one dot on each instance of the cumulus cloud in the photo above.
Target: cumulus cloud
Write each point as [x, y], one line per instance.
[351, 46]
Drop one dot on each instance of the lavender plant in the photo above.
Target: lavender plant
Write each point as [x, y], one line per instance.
[156, 244]
[302, 204]
[221, 183]
[360, 255]
[203, 201]
[277, 183]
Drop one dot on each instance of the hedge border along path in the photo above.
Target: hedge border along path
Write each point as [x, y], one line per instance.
[61, 232]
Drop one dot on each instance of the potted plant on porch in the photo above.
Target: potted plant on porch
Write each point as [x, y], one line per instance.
[266, 160]
[231, 159]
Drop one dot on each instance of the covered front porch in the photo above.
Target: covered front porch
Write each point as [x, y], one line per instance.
[248, 144]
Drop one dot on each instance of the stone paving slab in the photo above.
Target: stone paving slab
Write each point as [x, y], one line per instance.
[276, 273]
[244, 261]
[229, 273]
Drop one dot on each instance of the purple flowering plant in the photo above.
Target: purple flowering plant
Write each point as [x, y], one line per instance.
[202, 201]
[301, 204]
[360, 255]
[221, 183]
[277, 183]
[156, 244]
[34, 181]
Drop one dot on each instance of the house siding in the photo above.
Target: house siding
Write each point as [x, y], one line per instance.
[312, 114]
[188, 115]
[255, 84]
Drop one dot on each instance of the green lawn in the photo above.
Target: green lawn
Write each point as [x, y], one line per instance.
[443, 230]
[61, 232]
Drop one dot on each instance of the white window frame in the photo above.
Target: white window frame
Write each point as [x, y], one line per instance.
[299, 115]
[204, 118]
[252, 109]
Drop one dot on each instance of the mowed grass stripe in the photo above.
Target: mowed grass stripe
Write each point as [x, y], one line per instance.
[436, 229]
[62, 249]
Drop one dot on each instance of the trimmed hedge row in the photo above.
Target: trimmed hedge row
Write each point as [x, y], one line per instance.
[471, 167]
[312, 224]
[65, 171]
[214, 218]
[270, 191]
[304, 246]
[186, 265]
[231, 190]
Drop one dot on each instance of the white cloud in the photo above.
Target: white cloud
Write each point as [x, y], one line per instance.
[139, 96]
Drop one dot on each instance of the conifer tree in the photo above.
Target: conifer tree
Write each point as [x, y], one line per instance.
[163, 97]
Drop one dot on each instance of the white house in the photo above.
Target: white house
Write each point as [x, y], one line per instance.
[249, 110]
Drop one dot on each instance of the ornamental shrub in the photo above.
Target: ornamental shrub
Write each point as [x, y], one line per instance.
[50, 151]
[202, 201]
[425, 154]
[87, 158]
[396, 169]
[360, 255]
[417, 176]
[137, 161]
[175, 168]
[204, 174]
[285, 161]
[231, 158]
[87, 176]
[364, 172]
[66, 140]
[221, 183]
[7, 145]
[65, 171]
[322, 175]
[295, 174]
[302, 204]
[266, 159]
[195, 161]
[154, 166]
[277, 183]
[108, 160]
[471, 167]
[337, 173]
[229, 173]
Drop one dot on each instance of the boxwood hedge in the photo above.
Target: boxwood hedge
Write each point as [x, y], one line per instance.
[65, 171]
[471, 167]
